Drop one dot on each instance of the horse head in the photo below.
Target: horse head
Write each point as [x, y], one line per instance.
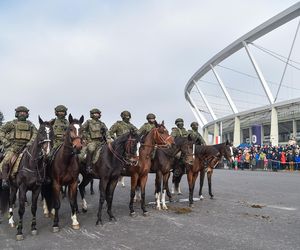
[131, 149]
[161, 135]
[45, 136]
[228, 152]
[186, 146]
[75, 133]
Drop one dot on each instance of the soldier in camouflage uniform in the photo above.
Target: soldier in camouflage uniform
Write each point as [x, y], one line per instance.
[121, 127]
[60, 125]
[95, 133]
[196, 136]
[15, 135]
[148, 125]
[179, 131]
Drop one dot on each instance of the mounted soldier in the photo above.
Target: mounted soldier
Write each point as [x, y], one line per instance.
[179, 131]
[121, 127]
[60, 125]
[96, 134]
[196, 136]
[148, 125]
[15, 136]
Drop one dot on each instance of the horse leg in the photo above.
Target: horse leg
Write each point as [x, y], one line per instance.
[35, 195]
[72, 192]
[22, 198]
[190, 180]
[92, 187]
[134, 181]
[165, 188]
[143, 187]
[102, 189]
[158, 188]
[202, 175]
[209, 175]
[56, 206]
[85, 181]
[12, 201]
[109, 197]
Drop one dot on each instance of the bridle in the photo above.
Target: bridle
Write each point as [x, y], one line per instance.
[128, 146]
[160, 141]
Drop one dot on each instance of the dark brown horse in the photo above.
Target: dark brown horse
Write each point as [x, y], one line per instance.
[64, 171]
[163, 163]
[114, 157]
[158, 137]
[210, 162]
[30, 176]
[206, 158]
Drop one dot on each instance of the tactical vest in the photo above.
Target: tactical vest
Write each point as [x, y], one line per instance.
[22, 131]
[95, 129]
[60, 127]
[123, 128]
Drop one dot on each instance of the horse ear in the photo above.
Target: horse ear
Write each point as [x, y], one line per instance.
[227, 142]
[70, 118]
[40, 121]
[155, 123]
[81, 119]
[163, 123]
[52, 122]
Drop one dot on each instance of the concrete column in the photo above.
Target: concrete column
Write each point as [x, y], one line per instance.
[205, 135]
[237, 132]
[274, 127]
[216, 133]
[294, 128]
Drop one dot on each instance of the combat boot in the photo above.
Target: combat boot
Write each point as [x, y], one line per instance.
[89, 158]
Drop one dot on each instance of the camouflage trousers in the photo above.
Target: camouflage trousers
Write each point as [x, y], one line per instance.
[92, 149]
[5, 162]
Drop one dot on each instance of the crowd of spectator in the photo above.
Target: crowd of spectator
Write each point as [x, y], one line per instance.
[266, 157]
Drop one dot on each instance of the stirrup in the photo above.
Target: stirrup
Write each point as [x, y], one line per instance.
[5, 185]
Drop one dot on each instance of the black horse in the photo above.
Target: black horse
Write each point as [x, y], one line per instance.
[30, 176]
[114, 157]
[163, 163]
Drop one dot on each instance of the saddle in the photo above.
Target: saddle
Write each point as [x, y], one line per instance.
[14, 164]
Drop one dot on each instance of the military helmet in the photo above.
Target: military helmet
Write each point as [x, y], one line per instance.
[93, 111]
[150, 116]
[21, 109]
[125, 113]
[178, 120]
[194, 124]
[60, 108]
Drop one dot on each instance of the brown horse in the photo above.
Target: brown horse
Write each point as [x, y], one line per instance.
[65, 171]
[207, 157]
[158, 137]
[211, 162]
[163, 163]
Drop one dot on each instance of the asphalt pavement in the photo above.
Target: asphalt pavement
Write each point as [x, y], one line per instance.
[250, 210]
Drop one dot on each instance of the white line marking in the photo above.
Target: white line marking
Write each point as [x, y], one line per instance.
[283, 208]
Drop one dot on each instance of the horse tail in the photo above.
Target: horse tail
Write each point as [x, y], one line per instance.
[47, 194]
[4, 199]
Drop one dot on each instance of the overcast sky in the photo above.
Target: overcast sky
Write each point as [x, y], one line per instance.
[115, 55]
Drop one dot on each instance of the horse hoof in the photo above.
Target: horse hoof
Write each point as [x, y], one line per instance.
[211, 197]
[92, 192]
[12, 225]
[55, 229]
[99, 222]
[76, 227]
[165, 208]
[191, 205]
[133, 214]
[46, 215]
[179, 193]
[201, 197]
[20, 237]
[84, 210]
[146, 213]
[34, 232]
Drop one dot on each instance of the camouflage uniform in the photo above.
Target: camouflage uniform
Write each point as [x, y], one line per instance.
[148, 125]
[121, 127]
[95, 133]
[15, 136]
[179, 131]
[60, 125]
[196, 136]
